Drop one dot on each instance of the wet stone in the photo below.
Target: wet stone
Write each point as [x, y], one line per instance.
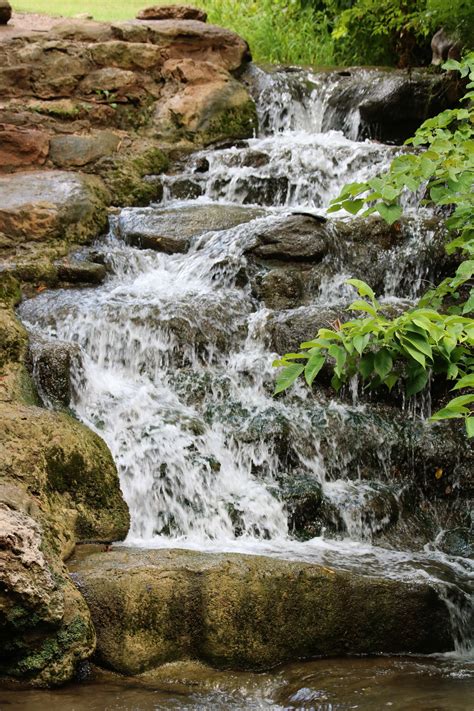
[172, 230]
[51, 364]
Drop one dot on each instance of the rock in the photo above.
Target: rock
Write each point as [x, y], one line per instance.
[171, 230]
[204, 101]
[81, 30]
[81, 272]
[184, 189]
[79, 150]
[172, 12]
[58, 485]
[236, 611]
[126, 175]
[71, 470]
[45, 626]
[294, 238]
[42, 214]
[48, 205]
[288, 329]
[20, 147]
[391, 105]
[280, 288]
[444, 47]
[127, 55]
[51, 363]
[297, 258]
[189, 39]
[111, 81]
[5, 12]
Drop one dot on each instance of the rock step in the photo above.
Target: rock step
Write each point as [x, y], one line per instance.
[238, 611]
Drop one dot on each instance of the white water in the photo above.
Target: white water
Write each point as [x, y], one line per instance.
[177, 379]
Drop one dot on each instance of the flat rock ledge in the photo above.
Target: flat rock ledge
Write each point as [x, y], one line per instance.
[248, 612]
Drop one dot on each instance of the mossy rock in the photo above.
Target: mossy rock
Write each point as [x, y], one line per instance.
[249, 612]
[125, 176]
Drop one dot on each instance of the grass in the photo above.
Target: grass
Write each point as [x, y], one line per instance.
[275, 32]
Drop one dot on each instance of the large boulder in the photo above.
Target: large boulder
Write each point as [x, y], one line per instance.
[172, 12]
[300, 257]
[189, 39]
[237, 611]
[42, 214]
[388, 105]
[79, 150]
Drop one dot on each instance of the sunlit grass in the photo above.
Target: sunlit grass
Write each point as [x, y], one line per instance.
[274, 34]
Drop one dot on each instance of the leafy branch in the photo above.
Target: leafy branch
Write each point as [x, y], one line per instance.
[437, 336]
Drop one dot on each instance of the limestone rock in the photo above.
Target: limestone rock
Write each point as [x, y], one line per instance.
[444, 47]
[127, 175]
[172, 12]
[127, 55]
[45, 626]
[236, 611]
[42, 214]
[69, 466]
[20, 147]
[5, 12]
[189, 39]
[79, 150]
[171, 230]
[203, 101]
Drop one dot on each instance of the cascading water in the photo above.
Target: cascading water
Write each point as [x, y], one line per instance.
[176, 376]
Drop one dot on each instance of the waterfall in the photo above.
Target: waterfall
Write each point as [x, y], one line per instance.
[175, 370]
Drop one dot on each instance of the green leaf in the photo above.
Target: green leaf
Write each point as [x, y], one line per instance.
[466, 382]
[446, 414]
[416, 381]
[360, 305]
[460, 401]
[366, 365]
[390, 213]
[415, 354]
[383, 363]
[287, 377]
[360, 342]
[353, 206]
[340, 355]
[391, 380]
[363, 288]
[313, 366]
[419, 341]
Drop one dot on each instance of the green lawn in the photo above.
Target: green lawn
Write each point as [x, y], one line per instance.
[100, 9]
[274, 33]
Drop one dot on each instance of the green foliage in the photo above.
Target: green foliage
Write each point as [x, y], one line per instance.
[382, 31]
[437, 336]
[456, 16]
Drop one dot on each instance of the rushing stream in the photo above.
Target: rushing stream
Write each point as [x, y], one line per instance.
[175, 368]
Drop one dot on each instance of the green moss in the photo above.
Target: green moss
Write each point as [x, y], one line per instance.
[234, 122]
[10, 292]
[125, 177]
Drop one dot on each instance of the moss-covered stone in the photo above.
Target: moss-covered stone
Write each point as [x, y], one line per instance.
[237, 611]
[45, 625]
[125, 176]
[234, 122]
